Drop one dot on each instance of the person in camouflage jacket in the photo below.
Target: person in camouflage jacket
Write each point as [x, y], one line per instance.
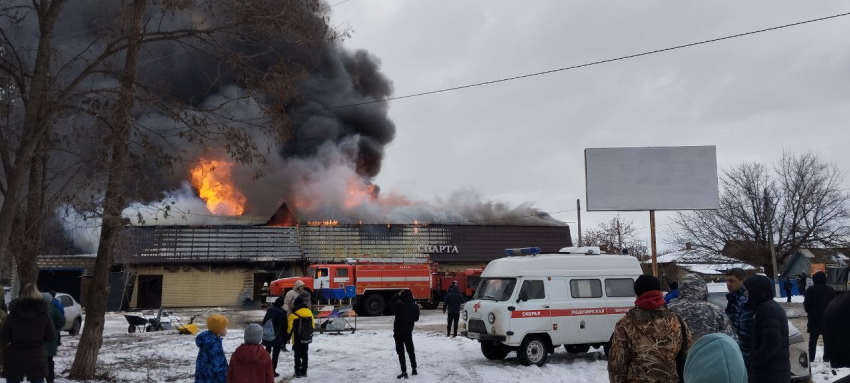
[740, 315]
[702, 318]
[647, 339]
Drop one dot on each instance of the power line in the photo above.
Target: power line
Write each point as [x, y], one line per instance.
[341, 2]
[584, 65]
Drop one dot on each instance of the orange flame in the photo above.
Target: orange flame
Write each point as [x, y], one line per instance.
[213, 180]
[323, 223]
[359, 192]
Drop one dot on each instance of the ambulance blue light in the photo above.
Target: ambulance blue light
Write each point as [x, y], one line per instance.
[522, 251]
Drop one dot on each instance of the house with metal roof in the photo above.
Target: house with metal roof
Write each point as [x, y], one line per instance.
[183, 266]
[834, 262]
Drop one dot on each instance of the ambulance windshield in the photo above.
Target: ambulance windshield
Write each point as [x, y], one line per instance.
[496, 289]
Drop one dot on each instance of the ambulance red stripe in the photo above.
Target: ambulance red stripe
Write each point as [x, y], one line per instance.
[570, 312]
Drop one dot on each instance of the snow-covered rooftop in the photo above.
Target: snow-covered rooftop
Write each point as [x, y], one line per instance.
[701, 261]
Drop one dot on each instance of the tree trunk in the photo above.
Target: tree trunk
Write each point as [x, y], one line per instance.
[113, 204]
[35, 124]
[31, 232]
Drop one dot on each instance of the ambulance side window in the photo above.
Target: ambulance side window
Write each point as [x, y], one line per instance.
[620, 287]
[586, 288]
[534, 289]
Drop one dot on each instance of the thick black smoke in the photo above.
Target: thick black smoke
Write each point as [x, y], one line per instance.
[324, 169]
[343, 78]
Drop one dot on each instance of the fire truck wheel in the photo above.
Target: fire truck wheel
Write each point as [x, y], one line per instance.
[430, 305]
[533, 350]
[493, 350]
[577, 348]
[374, 305]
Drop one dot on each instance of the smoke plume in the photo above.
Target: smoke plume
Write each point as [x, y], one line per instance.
[323, 169]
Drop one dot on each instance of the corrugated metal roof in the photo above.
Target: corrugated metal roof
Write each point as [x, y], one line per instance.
[440, 243]
[180, 244]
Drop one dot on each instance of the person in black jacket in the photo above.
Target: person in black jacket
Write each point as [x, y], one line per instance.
[836, 333]
[817, 299]
[770, 360]
[452, 305]
[25, 335]
[406, 314]
[278, 318]
[788, 287]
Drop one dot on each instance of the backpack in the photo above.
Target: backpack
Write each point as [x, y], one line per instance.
[269, 334]
[304, 330]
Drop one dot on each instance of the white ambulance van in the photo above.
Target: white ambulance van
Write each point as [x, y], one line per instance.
[533, 303]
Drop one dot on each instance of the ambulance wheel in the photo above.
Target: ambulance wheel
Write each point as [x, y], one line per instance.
[533, 350]
[577, 348]
[493, 350]
[374, 305]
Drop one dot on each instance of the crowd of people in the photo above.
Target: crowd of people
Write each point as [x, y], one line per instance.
[693, 341]
[686, 339]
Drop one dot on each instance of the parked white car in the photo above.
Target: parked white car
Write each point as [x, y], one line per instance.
[73, 313]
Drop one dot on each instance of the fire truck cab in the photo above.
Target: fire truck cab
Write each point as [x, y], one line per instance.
[533, 303]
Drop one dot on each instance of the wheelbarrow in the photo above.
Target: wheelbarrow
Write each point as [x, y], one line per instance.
[142, 324]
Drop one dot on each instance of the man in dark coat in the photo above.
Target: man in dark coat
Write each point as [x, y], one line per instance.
[817, 299]
[770, 360]
[738, 310]
[406, 314]
[452, 305]
[787, 285]
[278, 318]
[836, 333]
[25, 335]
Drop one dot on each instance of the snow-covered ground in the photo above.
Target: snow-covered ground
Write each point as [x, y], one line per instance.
[366, 355]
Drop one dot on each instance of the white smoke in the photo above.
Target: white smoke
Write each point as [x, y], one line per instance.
[180, 207]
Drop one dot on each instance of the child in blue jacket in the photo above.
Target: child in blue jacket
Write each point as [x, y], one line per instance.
[211, 365]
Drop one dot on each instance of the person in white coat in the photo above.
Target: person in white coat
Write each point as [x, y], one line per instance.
[291, 295]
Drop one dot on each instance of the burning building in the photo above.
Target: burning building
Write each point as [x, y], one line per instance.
[204, 247]
[227, 265]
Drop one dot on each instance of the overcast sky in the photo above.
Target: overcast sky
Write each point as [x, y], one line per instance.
[523, 140]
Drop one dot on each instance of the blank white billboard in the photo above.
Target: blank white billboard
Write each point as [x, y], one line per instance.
[655, 178]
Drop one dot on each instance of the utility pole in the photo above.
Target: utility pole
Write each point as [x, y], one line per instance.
[619, 237]
[578, 211]
[769, 218]
[652, 240]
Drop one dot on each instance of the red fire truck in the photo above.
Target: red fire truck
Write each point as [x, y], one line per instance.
[373, 284]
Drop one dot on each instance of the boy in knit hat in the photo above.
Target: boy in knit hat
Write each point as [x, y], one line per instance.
[250, 362]
[211, 365]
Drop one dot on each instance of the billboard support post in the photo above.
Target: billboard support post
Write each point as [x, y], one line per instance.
[652, 239]
[578, 210]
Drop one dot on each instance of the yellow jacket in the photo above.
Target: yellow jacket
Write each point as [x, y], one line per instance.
[303, 313]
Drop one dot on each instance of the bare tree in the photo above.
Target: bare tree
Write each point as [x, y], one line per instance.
[614, 236]
[799, 200]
